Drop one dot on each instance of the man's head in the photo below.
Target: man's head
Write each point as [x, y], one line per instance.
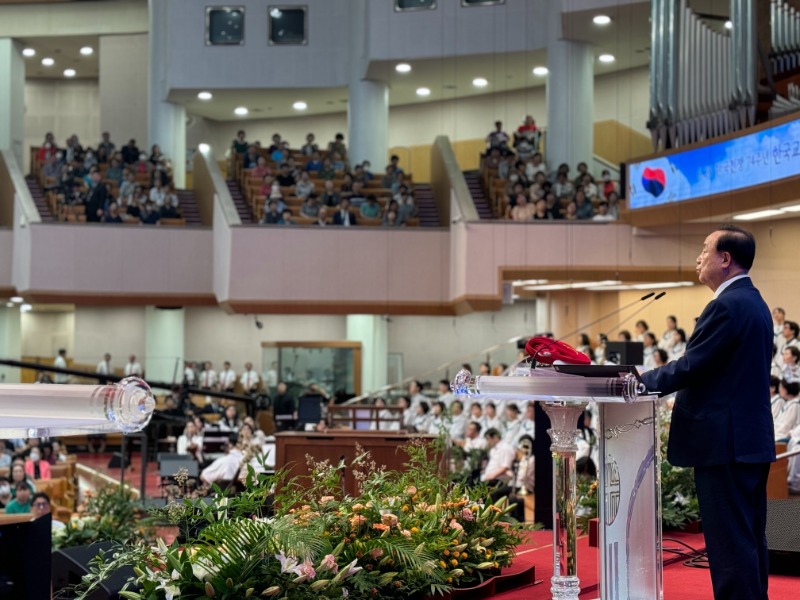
[473, 430]
[40, 504]
[791, 330]
[248, 366]
[727, 252]
[62, 352]
[492, 437]
[791, 355]
[778, 315]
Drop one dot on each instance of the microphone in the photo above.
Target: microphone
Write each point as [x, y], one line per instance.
[618, 325]
[609, 315]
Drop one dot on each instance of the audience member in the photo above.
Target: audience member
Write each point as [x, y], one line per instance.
[130, 153]
[40, 506]
[337, 146]
[227, 378]
[497, 138]
[133, 368]
[344, 216]
[309, 148]
[310, 207]
[22, 500]
[498, 470]
[60, 362]
[249, 379]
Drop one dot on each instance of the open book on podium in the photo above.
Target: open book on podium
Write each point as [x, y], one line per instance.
[629, 497]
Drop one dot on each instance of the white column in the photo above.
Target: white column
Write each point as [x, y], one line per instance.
[123, 88]
[164, 343]
[372, 332]
[10, 342]
[569, 91]
[368, 101]
[166, 121]
[12, 99]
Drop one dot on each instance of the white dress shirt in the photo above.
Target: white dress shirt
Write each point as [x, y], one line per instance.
[227, 379]
[208, 379]
[501, 456]
[61, 363]
[103, 368]
[133, 369]
[249, 379]
[225, 468]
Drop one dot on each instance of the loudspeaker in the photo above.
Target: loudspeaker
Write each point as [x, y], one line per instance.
[783, 536]
[625, 353]
[71, 564]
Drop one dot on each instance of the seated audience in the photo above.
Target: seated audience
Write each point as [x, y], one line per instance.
[285, 177]
[40, 506]
[583, 206]
[337, 146]
[226, 467]
[370, 209]
[330, 197]
[314, 165]
[287, 218]
[310, 207]
[327, 171]
[5, 492]
[271, 214]
[106, 145]
[305, 187]
[261, 169]
[22, 500]
[150, 215]
[602, 212]
[497, 138]
[322, 217]
[309, 148]
[498, 471]
[112, 214]
[788, 417]
[344, 216]
[230, 420]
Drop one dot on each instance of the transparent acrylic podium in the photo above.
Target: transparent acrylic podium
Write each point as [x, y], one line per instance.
[31, 410]
[629, 488]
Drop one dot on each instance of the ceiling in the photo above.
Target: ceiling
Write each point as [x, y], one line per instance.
[65, 50]
[627, 38]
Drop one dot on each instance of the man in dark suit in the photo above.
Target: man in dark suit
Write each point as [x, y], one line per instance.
[721, 422]
[96, 198]
[344, 216]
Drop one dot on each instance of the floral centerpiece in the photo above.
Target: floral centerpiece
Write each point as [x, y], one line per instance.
[406, 534]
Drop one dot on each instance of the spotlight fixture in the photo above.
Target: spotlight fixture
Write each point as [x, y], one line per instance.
[29, 52]
[540, 71]
[205, 95]
[202, 147]
[480, 82]
[601, 20]
[87, 50]
[299, 105]
[423, 91]
[48, 62]
[241, 111]
[69, 72]
[728, 24]
[606, 58]
[403, 68]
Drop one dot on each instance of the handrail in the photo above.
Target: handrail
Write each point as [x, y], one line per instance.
[449, 185]
[210, 188]
[421, 376]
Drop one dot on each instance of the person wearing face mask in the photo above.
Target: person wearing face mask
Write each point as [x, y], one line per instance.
[5, 492]
[35, 467]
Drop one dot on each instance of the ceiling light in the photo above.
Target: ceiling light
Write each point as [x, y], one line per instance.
[48, 62]
[520, 282]
[25, 308]
[29, 52]
[9, 305]
[17, 299]
[480, 82]
[606, 58]
[577, 285]
[540, 71]
[69, 72]
[275, 13]
[87, 50]
[728, 24]
[203, 148]
[601, 20]
[403, 68]
[792, 208]
[241, 111]
[759, 214]
[299, 105]
[205, 95]
[423, 91]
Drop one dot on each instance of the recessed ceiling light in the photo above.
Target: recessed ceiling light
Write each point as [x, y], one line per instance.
[205, 95]
[203, 147]
[601, 20]
[480, 82]
[25, 308]
[87, 50]
[728, 24]
[17, 299]
[423, 91]
[241, 111]
[29, 52]
[299, 105]
[403, 68]
[606, 58]
[540, 71]
[69, 72]
[48, 62]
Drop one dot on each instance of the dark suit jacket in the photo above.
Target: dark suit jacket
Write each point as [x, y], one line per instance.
[722, 410]
[96, 200]
[337, 218]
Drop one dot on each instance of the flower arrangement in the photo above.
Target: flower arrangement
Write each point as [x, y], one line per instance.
[110, 514]
[405, 534]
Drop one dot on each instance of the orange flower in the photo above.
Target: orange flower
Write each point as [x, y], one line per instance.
[357, 521]
[380, 527]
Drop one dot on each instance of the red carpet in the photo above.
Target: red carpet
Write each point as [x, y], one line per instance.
[680, 582]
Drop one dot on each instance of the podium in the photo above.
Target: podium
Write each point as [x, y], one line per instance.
[629, 496]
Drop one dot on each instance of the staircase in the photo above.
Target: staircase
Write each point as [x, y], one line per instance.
[473, 179]
[38, 198]
[241, 205]
[188, 207]
[426, 206]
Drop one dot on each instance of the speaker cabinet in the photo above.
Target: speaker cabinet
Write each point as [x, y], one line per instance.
[783, 536]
